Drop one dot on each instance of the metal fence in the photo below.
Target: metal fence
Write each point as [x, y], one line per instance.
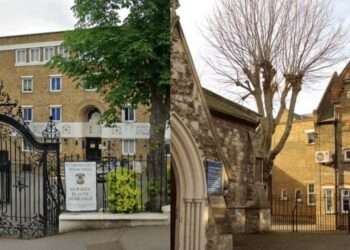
[297, 216]
[149, 191]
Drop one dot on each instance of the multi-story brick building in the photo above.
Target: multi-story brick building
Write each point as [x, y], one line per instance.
[43, 92]
[314, 166]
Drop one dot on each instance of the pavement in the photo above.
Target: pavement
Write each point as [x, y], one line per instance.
[293, 241]
[138, 238]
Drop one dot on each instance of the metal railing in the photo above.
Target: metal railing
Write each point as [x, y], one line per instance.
[148, 193]
[295, 215]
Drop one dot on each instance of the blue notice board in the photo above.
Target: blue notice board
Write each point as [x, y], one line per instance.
[214, 177]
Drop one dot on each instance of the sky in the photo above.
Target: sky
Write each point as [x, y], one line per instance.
[193, 15]
[35, 16]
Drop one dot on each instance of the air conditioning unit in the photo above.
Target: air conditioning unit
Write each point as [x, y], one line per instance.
[346, 155]
[323, 157]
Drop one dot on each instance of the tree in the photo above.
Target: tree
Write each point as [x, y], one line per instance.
[269, 50]
[128, 61]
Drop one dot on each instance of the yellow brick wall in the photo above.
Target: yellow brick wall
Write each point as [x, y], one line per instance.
[73, 99]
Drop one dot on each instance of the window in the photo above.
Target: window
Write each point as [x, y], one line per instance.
[345, 200]
[328, 200]
[284, 195]
[27, 84]
[298, 196]
[62, 51]
[347, 155]
[26, 146]
[35, 55]
[21, 56]
[55, 83]
[88, 86]
[128, 114]
[56, 113]
[27, 113]
[311, 194]
[49, 52]
[129, 147]
[311, 137]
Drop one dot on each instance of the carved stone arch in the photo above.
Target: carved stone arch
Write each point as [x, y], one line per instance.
[192, 207]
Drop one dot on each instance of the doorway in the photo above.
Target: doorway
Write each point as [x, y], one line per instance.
[93, 151]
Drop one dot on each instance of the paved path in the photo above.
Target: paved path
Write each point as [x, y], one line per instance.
[293, 241]
[140, 238]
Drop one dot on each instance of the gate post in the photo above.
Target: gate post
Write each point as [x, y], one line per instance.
[45, 190]
[349, 220]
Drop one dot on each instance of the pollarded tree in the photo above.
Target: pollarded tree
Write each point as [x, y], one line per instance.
[269, 49]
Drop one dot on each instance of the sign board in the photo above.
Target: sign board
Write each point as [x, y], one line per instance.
[214, 177]
[80, 180]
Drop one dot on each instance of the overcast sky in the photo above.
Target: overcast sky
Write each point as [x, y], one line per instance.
[193, 14]
[23, 17]
[33, 16]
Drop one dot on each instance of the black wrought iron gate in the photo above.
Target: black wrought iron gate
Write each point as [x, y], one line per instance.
[31, 192]
[296, 215]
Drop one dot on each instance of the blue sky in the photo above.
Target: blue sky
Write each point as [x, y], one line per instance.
[193, 18]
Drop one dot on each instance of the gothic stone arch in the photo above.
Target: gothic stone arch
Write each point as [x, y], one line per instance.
[192, 210]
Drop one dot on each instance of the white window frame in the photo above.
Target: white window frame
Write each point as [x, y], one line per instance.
[346, 159]
[325, 189]
[342, 199]
[308, 132]
[24, 149]
[123, 114]
[65, 51]
[27, 107]
[30, 55]
[123, 147]
[23, 78]
[310, 193]
[284, 195]
[50, 83]
[17, 57]
[301, 195]
[61, 113]
[45, 53]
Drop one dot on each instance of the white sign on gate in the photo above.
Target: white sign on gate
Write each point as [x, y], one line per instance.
[80, 180]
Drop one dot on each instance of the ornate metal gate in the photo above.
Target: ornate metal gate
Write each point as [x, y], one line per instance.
[31, 192]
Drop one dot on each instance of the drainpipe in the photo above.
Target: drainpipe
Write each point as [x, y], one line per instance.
[336, 162]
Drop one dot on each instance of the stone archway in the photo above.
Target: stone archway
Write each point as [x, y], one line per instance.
[192, 207]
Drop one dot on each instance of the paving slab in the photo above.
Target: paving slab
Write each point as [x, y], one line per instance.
[293, 241]
[138, 238]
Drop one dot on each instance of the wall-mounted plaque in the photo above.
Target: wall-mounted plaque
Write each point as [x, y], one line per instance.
[80, 180]
[214, 177]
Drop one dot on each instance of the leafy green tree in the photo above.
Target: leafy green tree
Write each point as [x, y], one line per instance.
[127, 60]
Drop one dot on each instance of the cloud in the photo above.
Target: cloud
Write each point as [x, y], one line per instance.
[24, 17]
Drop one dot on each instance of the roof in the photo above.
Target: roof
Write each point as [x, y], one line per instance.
[35, 34]
[331, 95]
[227, 107]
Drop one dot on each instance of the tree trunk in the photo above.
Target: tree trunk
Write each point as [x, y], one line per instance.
[160, 107]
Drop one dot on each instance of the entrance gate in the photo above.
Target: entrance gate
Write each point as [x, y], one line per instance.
[31, 191]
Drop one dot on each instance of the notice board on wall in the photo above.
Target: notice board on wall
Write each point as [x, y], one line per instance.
[214, 177]
[80, 178]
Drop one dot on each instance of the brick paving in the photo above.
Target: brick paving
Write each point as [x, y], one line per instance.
[139, 238]
[293, 241]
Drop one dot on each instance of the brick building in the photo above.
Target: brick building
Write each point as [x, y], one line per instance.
[314, 166]
[43, 92]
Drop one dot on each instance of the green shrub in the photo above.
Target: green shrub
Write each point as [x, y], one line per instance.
[123, 195]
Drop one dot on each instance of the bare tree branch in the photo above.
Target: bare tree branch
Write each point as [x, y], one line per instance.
[269, 49]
